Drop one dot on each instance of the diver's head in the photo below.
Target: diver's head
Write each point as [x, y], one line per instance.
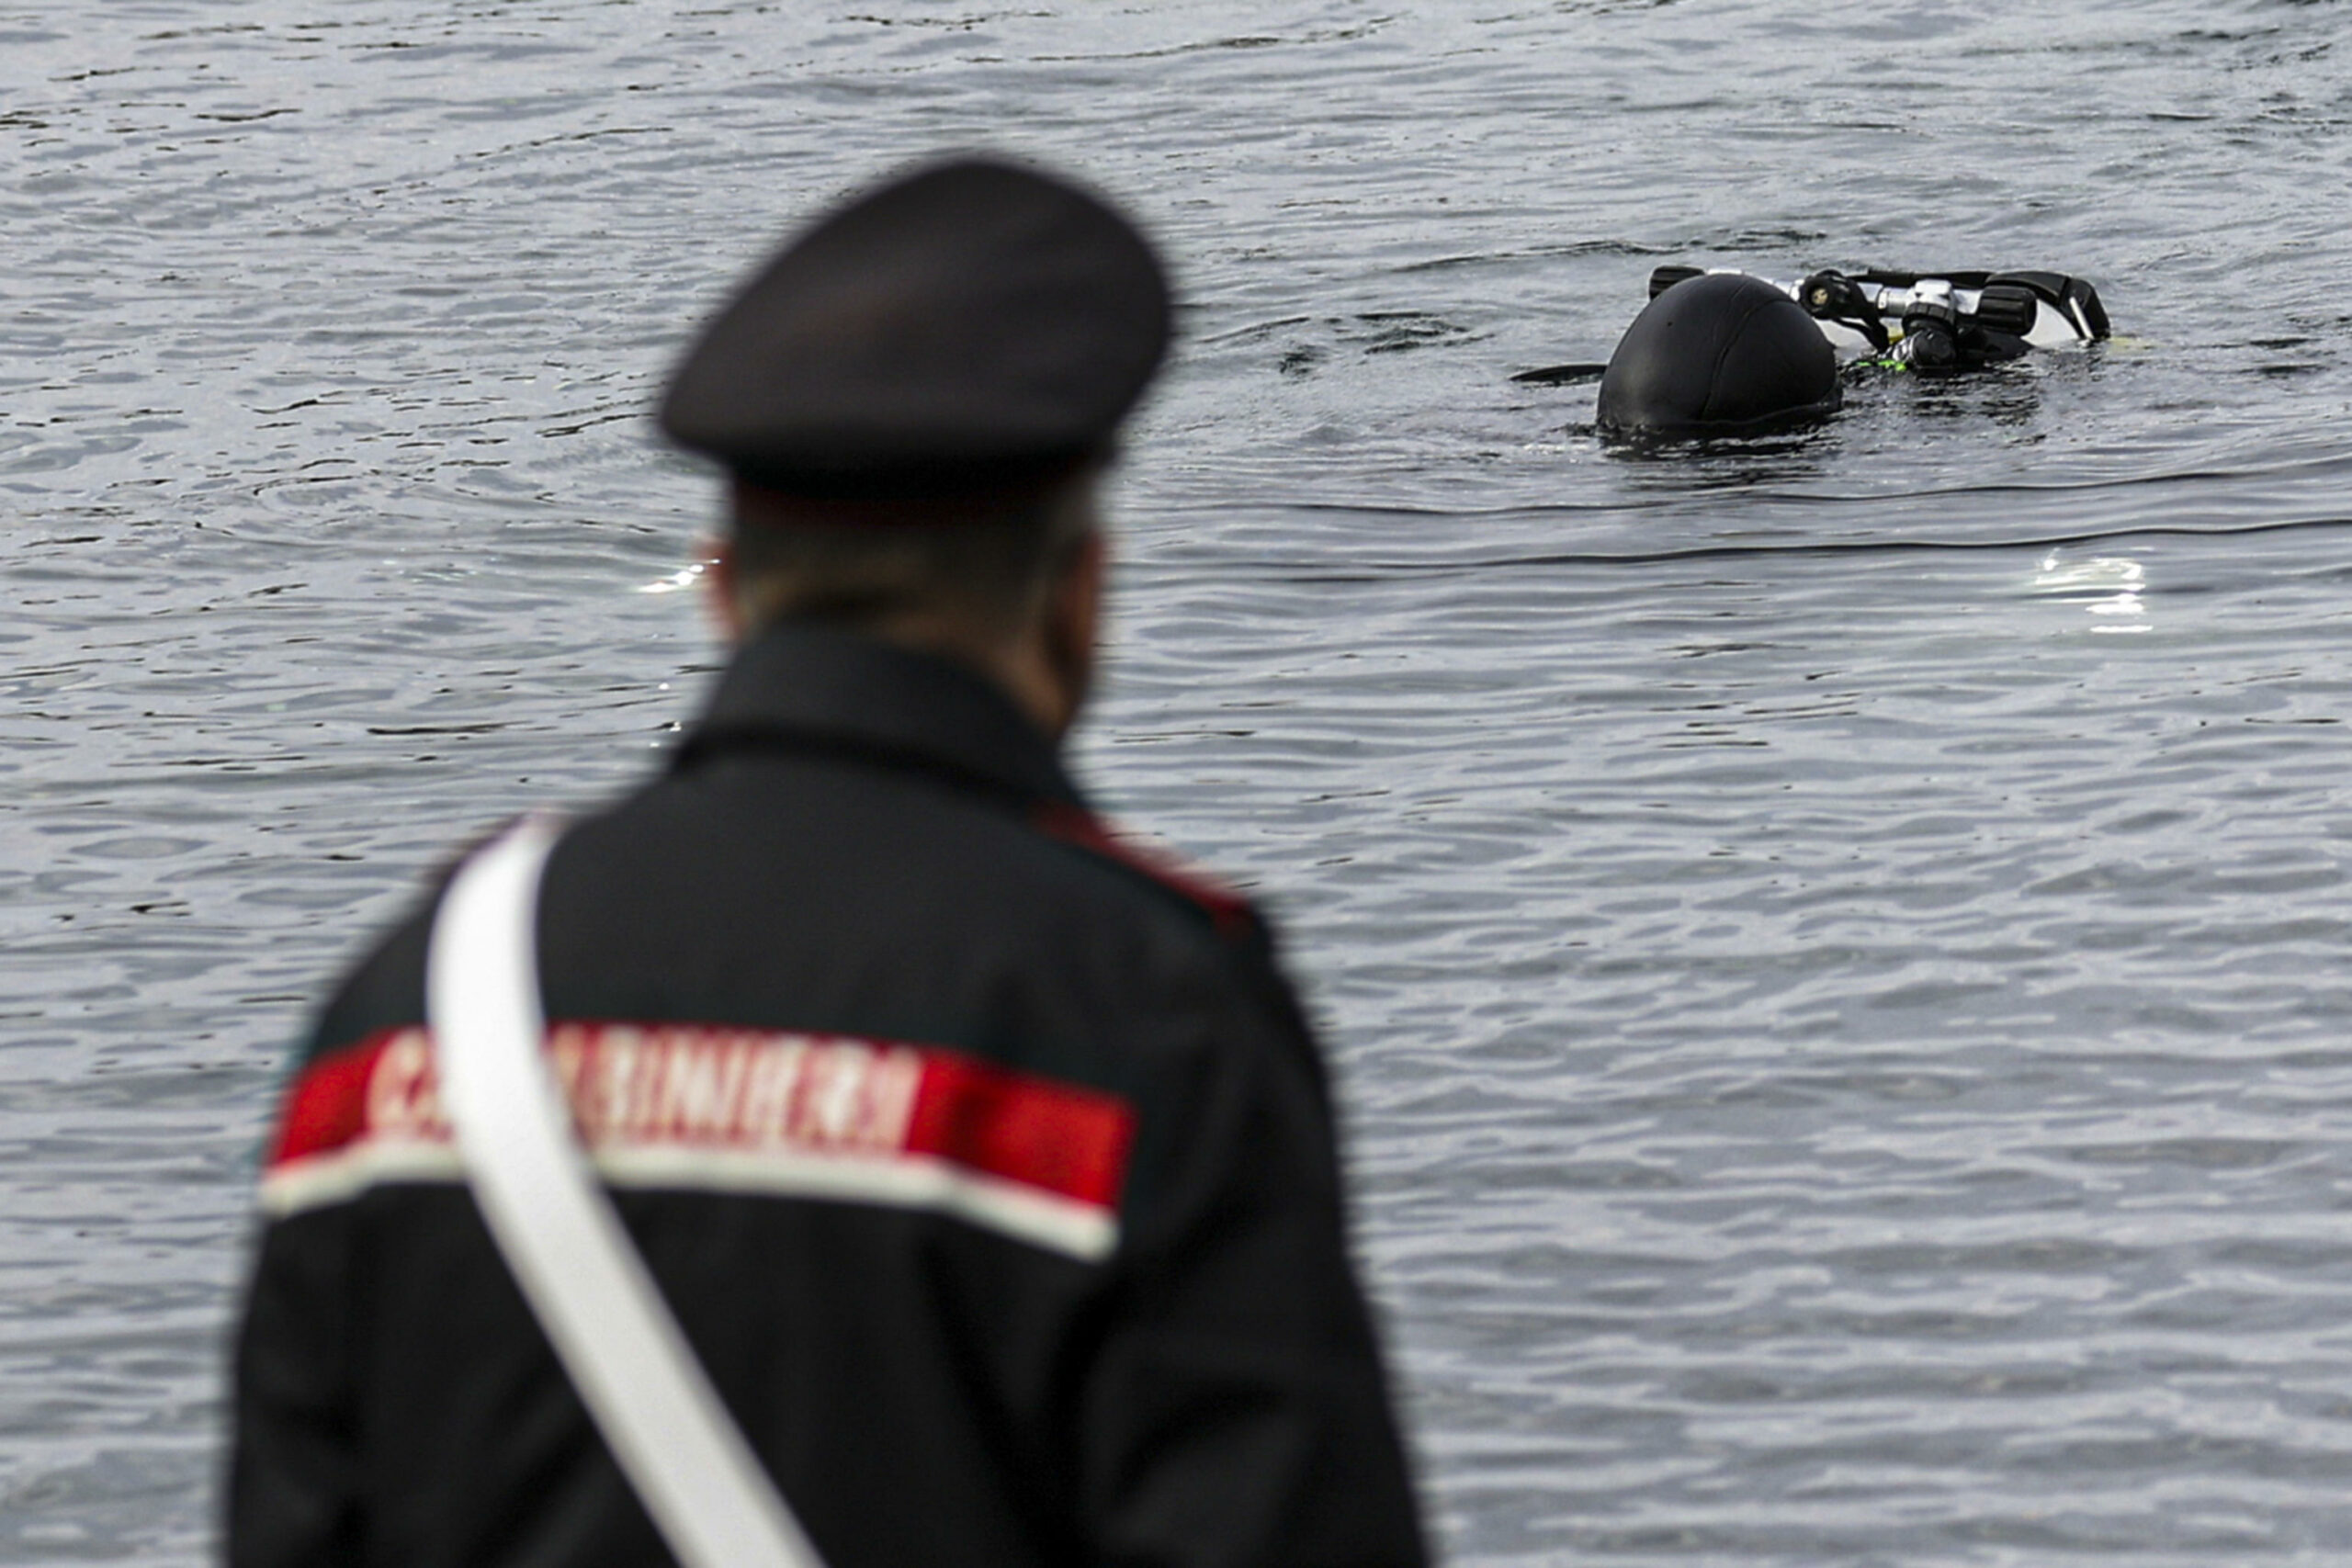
[1718, 355]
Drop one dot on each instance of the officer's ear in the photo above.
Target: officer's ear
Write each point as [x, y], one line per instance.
[718, 589]
[1071, 626]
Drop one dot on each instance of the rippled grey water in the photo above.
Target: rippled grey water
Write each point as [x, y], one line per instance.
[1835, 948]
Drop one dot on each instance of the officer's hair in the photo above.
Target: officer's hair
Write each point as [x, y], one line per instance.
[986, 563]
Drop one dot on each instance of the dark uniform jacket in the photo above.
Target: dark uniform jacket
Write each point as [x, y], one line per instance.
[989, 1172]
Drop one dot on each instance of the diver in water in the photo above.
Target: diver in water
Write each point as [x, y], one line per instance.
[1729, 354]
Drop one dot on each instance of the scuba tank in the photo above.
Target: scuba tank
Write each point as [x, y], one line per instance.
[1937, 322]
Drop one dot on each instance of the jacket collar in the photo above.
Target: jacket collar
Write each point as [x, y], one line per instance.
[810, 687]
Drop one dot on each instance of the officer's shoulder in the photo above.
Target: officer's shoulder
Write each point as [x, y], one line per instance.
[384, 990]
[1150, 873]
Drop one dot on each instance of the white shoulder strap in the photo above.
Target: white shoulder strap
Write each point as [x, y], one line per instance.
[582, 1276]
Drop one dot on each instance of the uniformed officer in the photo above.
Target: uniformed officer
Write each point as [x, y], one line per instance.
[988, 1169]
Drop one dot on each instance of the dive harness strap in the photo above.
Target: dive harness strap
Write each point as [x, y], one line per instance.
[583, 1277]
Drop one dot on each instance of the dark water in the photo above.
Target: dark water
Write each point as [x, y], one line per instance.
[1835, 948]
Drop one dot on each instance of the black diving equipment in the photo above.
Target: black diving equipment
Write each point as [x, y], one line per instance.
[1938, 322]
[1719, 354]
[1722, 351]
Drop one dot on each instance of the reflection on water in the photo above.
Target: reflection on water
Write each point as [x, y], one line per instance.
[2108, 586]
[685, 577]
[1844, 1068]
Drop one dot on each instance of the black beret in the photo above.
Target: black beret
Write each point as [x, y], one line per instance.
[970, 325]
[1720, 354]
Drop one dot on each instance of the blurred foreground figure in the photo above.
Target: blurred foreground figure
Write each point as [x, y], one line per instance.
[988, 1170]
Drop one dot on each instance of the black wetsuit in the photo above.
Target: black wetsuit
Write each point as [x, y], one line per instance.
[988, 1170]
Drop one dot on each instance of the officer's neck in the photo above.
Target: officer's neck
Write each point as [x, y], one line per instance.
[1047, 686]
[1045, 664]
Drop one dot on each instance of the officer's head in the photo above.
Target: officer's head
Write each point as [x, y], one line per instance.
[1718, 355]
[914, 399]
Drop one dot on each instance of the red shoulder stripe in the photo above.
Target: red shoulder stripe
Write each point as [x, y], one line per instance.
[1226, 909]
